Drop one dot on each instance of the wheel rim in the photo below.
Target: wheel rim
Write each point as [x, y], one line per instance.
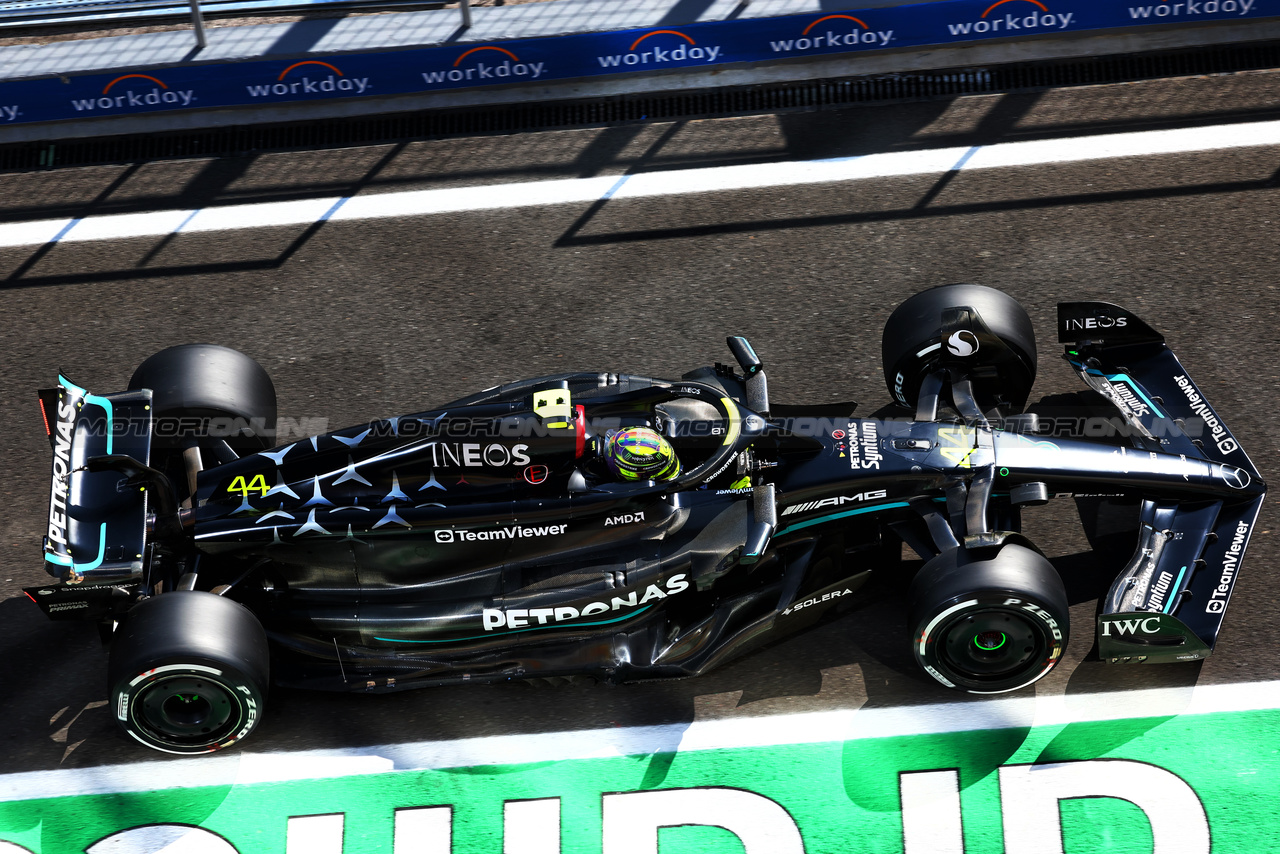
[187, 711]
[991, 645]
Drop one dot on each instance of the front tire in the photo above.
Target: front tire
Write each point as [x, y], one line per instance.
[188, 672]
[912, 345]
[988, 623]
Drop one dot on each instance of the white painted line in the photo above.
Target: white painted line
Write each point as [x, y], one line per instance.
[244, 767]
[647, 184]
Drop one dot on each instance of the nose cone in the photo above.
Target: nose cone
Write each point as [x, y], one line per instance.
[1238, 478]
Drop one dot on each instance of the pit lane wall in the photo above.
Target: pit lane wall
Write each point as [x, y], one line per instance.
[282, 85]
[1196, 772]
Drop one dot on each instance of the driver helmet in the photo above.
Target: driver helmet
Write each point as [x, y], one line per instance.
[639, 453]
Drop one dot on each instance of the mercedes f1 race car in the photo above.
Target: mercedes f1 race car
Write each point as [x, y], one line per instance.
[483, 540]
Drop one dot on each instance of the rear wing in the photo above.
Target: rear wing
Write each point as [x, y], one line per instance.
[97, 520]
[1169, 601]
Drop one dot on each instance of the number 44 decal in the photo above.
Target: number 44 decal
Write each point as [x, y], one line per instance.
[258, 484]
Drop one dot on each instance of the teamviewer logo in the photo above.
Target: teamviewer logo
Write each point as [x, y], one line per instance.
[444, 536]
[1215, 606]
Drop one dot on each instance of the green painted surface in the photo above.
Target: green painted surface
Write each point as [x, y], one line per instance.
[843, 797]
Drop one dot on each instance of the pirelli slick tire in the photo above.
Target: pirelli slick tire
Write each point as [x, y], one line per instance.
[188, 672]
[912, 345]
[986, 623]
[207, 390]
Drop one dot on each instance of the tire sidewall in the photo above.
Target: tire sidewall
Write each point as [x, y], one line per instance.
[127, 693]
[956, 584]
[1050, 631]
[189, 634]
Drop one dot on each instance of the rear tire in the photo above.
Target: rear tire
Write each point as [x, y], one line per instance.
[188, 672]
[912, 345]
[991, 623]
[206, 381]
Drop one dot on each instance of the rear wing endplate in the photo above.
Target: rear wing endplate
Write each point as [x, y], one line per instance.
[97, 520]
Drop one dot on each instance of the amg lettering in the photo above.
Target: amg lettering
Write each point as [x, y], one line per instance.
[835, 501]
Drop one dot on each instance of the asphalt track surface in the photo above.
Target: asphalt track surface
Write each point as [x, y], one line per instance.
[356, 320]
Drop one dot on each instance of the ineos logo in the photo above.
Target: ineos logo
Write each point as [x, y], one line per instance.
[963, 343]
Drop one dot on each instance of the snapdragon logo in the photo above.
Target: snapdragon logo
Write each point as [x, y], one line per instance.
[1191, 9]
[478, 69]
[664, 51]
[821, 35]
[135, 90]
[1011, 22]
[311, 80]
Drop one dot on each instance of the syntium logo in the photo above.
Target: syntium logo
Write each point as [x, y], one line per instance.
[311, 77]
[135, 91]
[479, 65]
[833, 32]
[1014, 20]
[667, 47]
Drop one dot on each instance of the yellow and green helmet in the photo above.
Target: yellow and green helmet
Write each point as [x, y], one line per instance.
[639, 453]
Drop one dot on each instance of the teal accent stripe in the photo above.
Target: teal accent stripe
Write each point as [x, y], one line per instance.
[1137, 389]
[1174, 598]
[96, 400]
[102, 551]
[522, 631]
[832, 516]
[106, 405]
[70, 386]
[1133, 384]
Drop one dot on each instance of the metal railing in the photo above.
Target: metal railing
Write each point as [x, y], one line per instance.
[16, 14]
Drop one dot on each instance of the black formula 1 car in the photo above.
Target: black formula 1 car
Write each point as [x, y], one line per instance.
[484, 540]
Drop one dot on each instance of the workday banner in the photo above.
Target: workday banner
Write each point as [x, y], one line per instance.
[421, 70]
